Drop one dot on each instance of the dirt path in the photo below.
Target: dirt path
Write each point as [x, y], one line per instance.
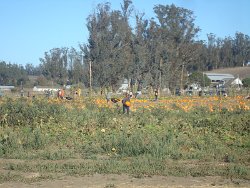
[11, 178]
[125, 181]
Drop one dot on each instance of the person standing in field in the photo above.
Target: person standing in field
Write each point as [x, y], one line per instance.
[60, 93]
[126, 104]
[63, 94]
[108, 96]
[156, 94]
[130, 94]
[79, 92]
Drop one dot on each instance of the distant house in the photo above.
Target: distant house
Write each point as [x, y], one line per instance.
[124, 87]
[237, 82]
[42, 89]
[6, 88]
[219, 78]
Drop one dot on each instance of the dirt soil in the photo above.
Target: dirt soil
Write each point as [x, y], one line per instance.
[126, 181]
[22, 179]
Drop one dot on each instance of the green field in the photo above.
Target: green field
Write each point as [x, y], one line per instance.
[51, 138]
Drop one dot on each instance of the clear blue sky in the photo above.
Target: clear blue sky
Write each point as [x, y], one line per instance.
[28, 28]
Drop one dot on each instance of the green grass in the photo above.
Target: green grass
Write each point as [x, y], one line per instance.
[52, 139]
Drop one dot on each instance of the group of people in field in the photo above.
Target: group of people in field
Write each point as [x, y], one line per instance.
[126, 103]
[61, 94]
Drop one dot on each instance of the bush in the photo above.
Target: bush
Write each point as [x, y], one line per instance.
[199, 77]
[246, 82]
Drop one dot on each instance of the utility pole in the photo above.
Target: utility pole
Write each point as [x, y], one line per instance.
[160, 74]
[22, 91]
[203, 76]
[182, 72]
[90, 76]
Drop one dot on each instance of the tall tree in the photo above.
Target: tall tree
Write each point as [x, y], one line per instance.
[178, 33]
[55, 64]
[108, 49]
[241, 49]
[76, 66]
[12, 74]
[226, 52]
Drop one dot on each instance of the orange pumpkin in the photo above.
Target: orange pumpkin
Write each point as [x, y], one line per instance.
[127, 103]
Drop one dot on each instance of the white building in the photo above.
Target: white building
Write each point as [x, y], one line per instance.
[124, 87]
[219, 78]
[42, 89]
[6, 88]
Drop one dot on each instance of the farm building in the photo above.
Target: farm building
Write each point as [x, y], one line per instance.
[6, 88]
[219, 78]
[124, 87]
[237, 82]
[42, 89]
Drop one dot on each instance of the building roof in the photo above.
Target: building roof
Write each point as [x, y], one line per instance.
[216, 77]
[7, 87]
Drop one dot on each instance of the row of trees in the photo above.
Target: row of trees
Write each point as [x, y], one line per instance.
[63, 65]
[228, 52]
[160, 51]
[12, 74]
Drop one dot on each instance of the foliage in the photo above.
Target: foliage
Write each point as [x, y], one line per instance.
[157, 52]
[246, 82]
[55, 65]
[12, 74]
[200, 78]
[41, 81]
[147, 142]
[109, 48]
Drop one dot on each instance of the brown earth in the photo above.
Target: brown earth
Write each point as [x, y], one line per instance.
[126, 181]
[59, 180]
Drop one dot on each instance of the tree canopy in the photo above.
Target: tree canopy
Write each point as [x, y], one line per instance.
[12, 74]
[123, 44]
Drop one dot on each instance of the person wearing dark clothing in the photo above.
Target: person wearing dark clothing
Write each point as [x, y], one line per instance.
[115, 100]
[156, 94]
[126, 104]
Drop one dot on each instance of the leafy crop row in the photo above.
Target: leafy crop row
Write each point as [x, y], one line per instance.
[42, 130]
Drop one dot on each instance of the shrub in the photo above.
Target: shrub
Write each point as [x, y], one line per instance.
[246, 82]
